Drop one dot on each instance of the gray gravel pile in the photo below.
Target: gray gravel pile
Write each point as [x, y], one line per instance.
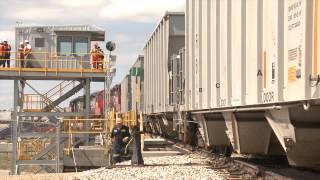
[191, 166]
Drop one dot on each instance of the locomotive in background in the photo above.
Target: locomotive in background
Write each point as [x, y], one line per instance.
[124, 97]
[97, 102]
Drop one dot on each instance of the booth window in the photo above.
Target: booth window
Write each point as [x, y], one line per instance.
[80, 46]
[39, 42]
[65, 45]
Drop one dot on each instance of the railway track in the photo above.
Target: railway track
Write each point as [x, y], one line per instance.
[247, 167]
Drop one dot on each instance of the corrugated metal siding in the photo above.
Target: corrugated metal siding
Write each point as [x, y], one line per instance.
[136, 84]
[312, 49]
[129, 96]
[133, 92]
[248, 52]
[167, 39]
[124, 95]
[252, 51]
[142, 87]
[133, 81]
[270, 54]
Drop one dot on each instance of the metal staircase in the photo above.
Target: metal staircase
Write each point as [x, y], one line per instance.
[63, 97]
[50, 100]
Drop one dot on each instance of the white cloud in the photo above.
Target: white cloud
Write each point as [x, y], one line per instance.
[7, 101]
[99, 10]
[127, 59]
[80, 3]
[34, 13]
[140, 10]
[7, 35]
[123, 38]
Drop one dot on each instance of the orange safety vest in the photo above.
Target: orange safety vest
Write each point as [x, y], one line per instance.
[2, 50]
[21, 53]
[7, 49]
[94, 54]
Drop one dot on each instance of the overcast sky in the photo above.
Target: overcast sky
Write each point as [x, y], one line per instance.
[127, 22]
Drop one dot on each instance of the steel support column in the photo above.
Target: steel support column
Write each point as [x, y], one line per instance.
[87, 106]
[14, 169]
[58, 146]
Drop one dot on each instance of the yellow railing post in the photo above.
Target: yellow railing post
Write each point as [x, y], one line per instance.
[46, 64]
[70, 140]
[141, 130]
[81, 64]
[56, 65]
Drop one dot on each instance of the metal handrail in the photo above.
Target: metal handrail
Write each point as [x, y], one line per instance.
[60, 90]
[40, 100]
[69, 123]
[47, 100]
[55, 54]
[57, 86]
[72, 61]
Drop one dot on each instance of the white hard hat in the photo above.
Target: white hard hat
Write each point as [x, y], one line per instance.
[26, 41]
[21, 43]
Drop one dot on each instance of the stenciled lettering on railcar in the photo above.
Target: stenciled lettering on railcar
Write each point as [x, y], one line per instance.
[295, 40]
[268, 97]
[223, 103]
[294, 14]
[259, 73]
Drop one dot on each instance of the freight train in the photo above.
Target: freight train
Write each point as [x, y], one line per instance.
[240, 75]
[247, 75]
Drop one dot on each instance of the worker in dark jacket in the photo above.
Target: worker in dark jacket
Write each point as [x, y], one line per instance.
[121, 135]
[2, 54]
[7, 53]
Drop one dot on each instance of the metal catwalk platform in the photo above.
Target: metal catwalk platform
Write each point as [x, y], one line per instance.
[52, 74]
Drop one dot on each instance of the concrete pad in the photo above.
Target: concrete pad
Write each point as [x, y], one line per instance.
[86, 158]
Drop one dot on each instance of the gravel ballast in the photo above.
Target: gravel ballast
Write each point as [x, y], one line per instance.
[190, 166]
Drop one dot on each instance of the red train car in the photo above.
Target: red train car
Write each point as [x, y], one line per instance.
[97, 102]
[115, 98]
[115, 101]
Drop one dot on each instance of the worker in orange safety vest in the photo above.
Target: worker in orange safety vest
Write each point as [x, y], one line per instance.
[7, 52]
[100, 58]
[27, 51]
[95, 56]
[2, 53]
[21, 54]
